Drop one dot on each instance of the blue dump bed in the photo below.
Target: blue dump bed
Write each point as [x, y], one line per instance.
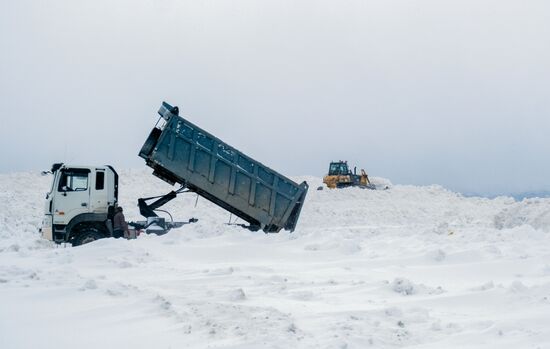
[181, 152]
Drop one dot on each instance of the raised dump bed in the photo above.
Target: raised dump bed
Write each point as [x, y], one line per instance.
[181, 152]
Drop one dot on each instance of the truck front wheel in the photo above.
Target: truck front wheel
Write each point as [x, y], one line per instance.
[87, 235]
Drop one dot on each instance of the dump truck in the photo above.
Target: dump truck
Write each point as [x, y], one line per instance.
[340, 176]
[82, 200]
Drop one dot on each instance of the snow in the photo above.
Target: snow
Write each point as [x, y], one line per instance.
[411, 266]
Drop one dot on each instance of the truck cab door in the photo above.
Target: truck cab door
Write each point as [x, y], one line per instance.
[99, 200]
[72, 195]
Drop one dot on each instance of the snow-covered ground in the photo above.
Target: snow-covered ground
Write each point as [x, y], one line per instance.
[418, 267]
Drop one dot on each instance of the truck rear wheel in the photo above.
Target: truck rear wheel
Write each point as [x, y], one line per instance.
[87, 235]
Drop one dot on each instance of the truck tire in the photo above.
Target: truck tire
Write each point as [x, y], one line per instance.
[86, 236]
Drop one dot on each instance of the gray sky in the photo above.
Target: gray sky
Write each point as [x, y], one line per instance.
[420, 92]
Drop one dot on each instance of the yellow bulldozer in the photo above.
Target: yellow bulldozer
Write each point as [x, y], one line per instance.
[340, 176]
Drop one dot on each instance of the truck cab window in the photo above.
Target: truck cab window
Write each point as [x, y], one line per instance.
[338, 169]
[99, 180]
[73, 180]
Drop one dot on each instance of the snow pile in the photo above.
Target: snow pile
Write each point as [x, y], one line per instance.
[21, 210]
[381, 183]
[534, 212]
[408, 266]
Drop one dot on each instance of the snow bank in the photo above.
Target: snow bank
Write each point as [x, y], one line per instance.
[533, 212]
[21, 210]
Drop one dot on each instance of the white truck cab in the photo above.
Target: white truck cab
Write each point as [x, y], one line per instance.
[81, 203]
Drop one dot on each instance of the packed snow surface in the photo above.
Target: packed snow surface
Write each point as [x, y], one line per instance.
[411, 266]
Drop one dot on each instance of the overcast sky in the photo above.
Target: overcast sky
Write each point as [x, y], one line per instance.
[421, 92]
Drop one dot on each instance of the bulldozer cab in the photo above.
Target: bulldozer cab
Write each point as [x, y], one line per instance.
[338, 169]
